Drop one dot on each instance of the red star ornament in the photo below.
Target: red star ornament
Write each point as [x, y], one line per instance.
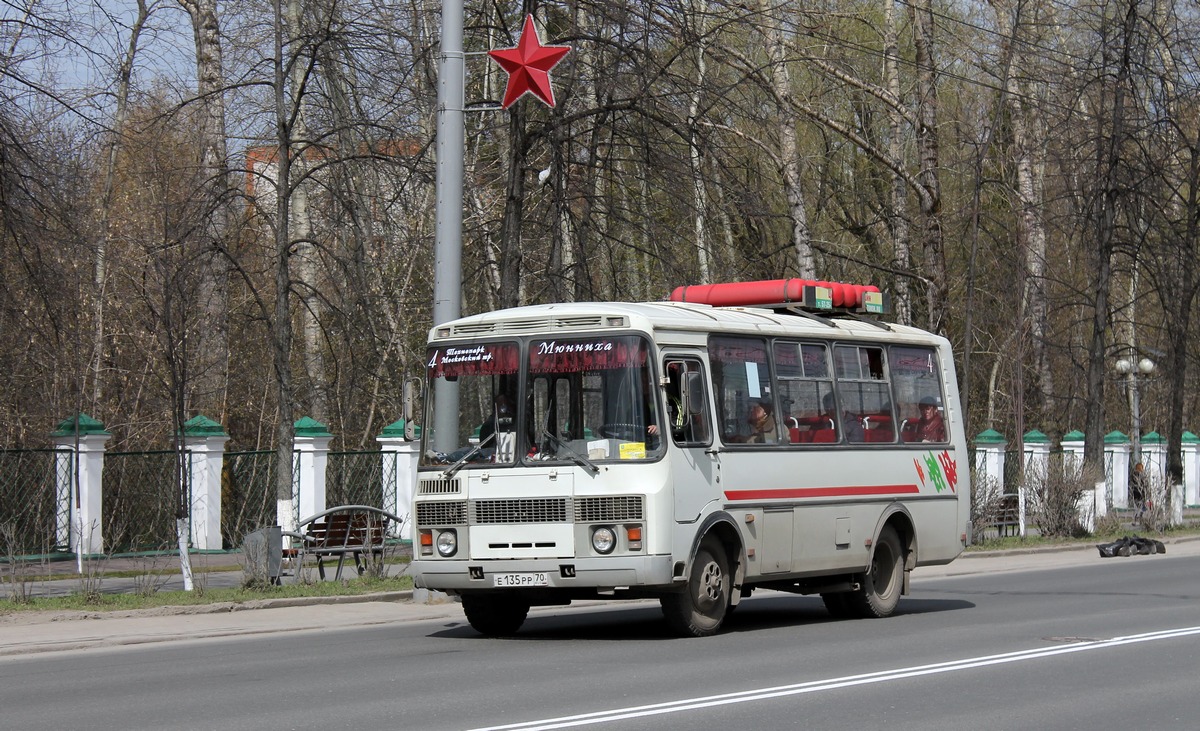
[528, 66]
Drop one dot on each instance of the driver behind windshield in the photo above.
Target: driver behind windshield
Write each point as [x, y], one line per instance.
[501, 418]
[492, 434]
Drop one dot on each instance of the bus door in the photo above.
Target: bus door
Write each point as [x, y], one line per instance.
[694, 463]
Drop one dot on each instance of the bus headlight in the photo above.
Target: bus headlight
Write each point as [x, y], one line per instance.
[447, 543]
[604, 539]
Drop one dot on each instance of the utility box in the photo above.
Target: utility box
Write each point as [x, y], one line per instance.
[262, 551]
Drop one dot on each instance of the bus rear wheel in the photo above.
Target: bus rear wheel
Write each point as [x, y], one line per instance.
[495, 615]
[880, 587]
[699, 610]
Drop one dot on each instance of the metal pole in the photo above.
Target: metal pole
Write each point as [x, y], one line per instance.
[447, 275]
[1135, 410]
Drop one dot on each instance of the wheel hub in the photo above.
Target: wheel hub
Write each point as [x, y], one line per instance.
[711, 583]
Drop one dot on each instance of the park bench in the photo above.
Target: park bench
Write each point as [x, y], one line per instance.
[1008, 515]
[357, 531]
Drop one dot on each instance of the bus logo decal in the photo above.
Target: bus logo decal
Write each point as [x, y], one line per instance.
[943, 471]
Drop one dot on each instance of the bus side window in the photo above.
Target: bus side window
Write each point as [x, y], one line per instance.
[802, 370]
[916, 380]
[864, 394]
[741, 376]
[687, 403]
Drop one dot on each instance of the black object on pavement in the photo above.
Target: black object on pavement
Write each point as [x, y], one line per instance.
[1131, 546]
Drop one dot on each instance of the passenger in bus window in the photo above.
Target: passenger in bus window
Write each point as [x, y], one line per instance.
[761, 419]
[931, 427]
[851, 425]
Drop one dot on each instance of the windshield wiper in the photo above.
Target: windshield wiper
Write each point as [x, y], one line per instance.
[576, 457]
[467, 457]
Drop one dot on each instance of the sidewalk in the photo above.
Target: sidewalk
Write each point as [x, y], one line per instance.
[127, 575]
[31, 632]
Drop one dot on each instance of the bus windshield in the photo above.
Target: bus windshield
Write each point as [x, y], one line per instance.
[582, 400]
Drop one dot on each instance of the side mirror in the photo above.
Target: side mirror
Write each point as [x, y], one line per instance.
[412, 388]
[692, 393]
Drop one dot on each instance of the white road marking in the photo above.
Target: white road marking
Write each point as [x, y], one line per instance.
[619, 714]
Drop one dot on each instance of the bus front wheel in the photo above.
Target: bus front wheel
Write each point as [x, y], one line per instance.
[495, 615]
[699, 610]
[880, 587]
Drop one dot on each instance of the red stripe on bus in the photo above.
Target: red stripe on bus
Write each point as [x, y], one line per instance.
[822, 492]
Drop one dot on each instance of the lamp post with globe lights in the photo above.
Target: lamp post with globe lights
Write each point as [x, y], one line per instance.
[1133, 371]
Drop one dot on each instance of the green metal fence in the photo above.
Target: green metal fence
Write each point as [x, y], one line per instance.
[142, 499]
[355, 478]
[142, 496]
[30, 522]
[248, 500]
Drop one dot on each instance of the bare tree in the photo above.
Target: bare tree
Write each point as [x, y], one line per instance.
[215, 197]
[1103, 209]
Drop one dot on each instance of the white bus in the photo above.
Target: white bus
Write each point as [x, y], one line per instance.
[620, 450]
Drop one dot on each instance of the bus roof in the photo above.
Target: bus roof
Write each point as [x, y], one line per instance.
[654, 317]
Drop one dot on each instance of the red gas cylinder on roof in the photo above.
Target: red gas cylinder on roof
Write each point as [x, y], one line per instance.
[769, 292]
[742, 293]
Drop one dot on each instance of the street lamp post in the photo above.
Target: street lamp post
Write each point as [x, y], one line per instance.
[1133, 371]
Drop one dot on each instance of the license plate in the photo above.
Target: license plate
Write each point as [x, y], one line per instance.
[539, 578]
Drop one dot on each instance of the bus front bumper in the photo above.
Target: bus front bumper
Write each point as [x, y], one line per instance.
[609, 572]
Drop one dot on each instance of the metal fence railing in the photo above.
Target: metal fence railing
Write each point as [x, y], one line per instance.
[143, 494]
[354, 478]
[29, 515]
[248, 499]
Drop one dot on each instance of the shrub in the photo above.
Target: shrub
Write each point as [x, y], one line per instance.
[1054, 489]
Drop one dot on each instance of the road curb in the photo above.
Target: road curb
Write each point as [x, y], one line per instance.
[1057, 549]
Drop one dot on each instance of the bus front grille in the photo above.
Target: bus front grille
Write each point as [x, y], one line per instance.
[441, 513]
[608, 509]
[520, 510]
[439, 486]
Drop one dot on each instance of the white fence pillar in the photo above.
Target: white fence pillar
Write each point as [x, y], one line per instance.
[989, 458]
[1072, 448]
[80, 482]
[1191, 468]
[204, 439]
[312, 457]
[1036, 448]
[1116, 455]
[399, 473]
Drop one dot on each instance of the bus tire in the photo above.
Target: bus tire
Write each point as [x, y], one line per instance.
[880, 587]
[495, 615]
[700, 608]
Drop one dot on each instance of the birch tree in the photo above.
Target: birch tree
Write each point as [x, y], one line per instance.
[215, 195]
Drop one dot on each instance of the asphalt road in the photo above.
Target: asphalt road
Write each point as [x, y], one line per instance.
[1047, 642]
